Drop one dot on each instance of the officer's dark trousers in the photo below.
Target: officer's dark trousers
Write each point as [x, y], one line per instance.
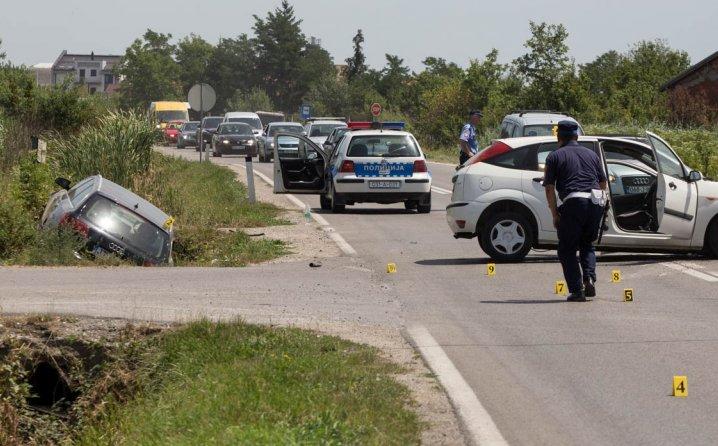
[577, 229]
[463, 158]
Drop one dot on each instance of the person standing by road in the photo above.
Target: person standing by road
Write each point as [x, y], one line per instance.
[468, 146]
[577, 174]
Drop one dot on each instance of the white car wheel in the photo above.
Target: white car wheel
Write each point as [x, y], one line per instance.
[507, 236]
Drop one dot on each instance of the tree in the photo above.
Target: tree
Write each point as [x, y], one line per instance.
[356, 65]
[2, 53]
[253, 100]
[330, 97]
[280, 46]
[546, 62]
[149, 70]
[232, 68]
[193, 55]
[393, 82]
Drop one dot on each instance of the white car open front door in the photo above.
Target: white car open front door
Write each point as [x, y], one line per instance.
[676, 197]
[299, 165]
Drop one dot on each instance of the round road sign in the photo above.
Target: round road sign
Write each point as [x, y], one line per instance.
[201, 97]
[375, 109]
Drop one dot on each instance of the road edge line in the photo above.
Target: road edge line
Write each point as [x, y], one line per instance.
[337, 238]
[477, 422]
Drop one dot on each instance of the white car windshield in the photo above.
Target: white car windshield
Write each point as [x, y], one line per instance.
[297, 129]
[255, 123]
[323, 129]
[383, 146]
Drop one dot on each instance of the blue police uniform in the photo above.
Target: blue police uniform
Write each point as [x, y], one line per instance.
[468, 134]
[576, 171]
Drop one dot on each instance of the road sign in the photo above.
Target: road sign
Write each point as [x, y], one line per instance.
[680, 386]
[305, 111]
[376, 109]
[201, 97]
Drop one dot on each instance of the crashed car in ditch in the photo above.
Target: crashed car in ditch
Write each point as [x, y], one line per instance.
[113, 221]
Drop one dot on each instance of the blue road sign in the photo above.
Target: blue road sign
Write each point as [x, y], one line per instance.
[305, 111]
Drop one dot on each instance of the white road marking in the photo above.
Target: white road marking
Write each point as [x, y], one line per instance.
[691, 272]
[440, 190]
[345, 247]
[442, 164]
[476, 419]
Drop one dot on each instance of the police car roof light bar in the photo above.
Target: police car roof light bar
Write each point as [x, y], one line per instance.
[366, 125]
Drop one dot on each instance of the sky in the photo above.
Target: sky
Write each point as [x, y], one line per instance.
[457, 30]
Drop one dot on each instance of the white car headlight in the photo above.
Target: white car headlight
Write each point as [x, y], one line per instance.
[250, 142]
[271, 144]
[226, 141]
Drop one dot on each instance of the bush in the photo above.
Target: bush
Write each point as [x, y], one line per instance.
[17, 229]
[119, 148]
[32, 184]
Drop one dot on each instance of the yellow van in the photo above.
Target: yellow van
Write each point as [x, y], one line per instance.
[162, 112]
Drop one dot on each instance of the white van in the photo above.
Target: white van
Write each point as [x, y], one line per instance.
[252, 119]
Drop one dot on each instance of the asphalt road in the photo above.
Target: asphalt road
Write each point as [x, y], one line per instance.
[549, 371]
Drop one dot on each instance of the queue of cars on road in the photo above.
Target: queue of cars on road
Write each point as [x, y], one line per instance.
[657, 203]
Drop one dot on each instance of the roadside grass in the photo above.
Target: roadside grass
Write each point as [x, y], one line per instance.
[442, 154]
[234, 383]
[204, 198]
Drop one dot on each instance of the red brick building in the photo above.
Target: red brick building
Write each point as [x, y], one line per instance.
[693, 94]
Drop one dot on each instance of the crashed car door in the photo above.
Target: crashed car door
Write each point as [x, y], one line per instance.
[299, 165]
[676, 198]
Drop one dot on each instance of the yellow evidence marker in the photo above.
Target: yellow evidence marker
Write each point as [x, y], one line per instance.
[391, 268]
[560, 288]
[490, 269]
[680, 386]
[628, 295]
[616, 276]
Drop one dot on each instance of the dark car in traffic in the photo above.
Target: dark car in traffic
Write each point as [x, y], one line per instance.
[188, 135]
[112, 221]
[209, 126]
[234, 138]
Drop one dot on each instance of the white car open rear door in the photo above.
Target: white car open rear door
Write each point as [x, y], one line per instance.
[676, 198]
[299, 165]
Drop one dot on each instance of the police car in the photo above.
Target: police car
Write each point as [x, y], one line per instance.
[383, 164]
[658, 203]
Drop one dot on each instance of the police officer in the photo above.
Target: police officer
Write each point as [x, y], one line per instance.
[577, 174]
[468, 146]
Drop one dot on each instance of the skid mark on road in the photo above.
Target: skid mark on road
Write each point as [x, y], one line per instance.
[476, 419]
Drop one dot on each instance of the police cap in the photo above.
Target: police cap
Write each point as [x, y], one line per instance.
[476, 113]
[567, 128]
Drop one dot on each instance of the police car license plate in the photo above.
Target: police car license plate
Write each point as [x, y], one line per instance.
[384, 184]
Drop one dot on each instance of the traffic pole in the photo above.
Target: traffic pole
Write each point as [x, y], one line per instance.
[250, 178]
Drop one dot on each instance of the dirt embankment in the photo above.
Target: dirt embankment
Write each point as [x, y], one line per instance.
[57, 371]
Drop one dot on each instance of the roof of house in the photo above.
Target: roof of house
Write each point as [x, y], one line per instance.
[672, 83]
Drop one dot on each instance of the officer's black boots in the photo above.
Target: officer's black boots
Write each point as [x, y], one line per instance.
[589, 288]
[577, 297]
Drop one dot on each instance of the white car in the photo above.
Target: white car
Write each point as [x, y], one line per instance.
[498, 196]
[374, 166]
[249, 118]
[318, 129]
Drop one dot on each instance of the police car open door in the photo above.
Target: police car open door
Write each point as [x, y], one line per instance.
[299, 165]
[676, 196]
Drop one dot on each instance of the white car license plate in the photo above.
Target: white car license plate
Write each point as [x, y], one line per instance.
[384, 184]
